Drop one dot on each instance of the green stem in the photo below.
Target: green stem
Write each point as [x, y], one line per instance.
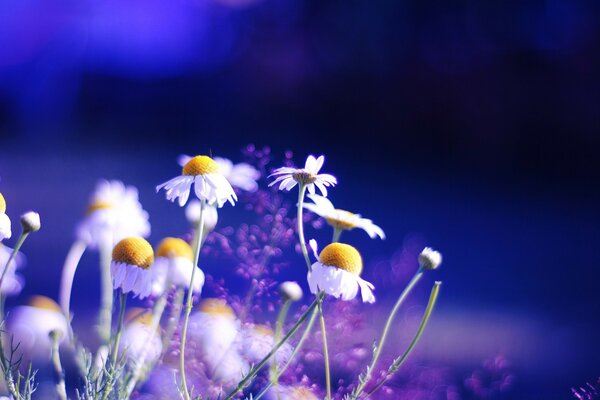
[59, 374]
[385, 332]
[14, 253]
[66, 283]
[278, 329]
[115, 348]
[337, 232]
[301, 192]
[106, 300]
[398, 362]
[325, 351]
[188, 307]
[252, 373]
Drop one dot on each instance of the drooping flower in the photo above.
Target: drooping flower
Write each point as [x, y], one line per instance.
[337, 272]
[139, 341]
[12, 283]
[29, 325]
[242, 175]
[342, 219]
[130, 266]
[173, 265]
[209, 183]
[288, 177]
[114, 213]
[258, 340]
[5, 228]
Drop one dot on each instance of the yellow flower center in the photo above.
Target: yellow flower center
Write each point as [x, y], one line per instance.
[140, 315]
[44, 303]
[342, 256]
[302, 176]
[174, 247]
[134, 251]
[2, 204]
[98, 205]
[216, 307]
[200, 165]
[302, 393]
[342, 221]
[263, 330]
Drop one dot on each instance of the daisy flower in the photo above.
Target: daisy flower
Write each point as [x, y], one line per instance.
[5, 231]
[242, 175]
[258, 340]
[12, 283]
[289, 392]
[30, 325]
[173, 265]
[342, 220]
[337, 272]
[130, 266]
[211, 215]
[138, 341]
[309, 176]
[114, 213]
[209, 183]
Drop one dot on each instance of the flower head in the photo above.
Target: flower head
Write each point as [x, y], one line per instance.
[209, 183]
[342, 219]
[211, 215]
[173, 265]
[242, 175]
[429, 258]
[309, 176]
[139, 340]
[30, 221]
[114, 213]
[130, 266]
[5, 228]
[337, 272]
[12, 283]
[290, 291]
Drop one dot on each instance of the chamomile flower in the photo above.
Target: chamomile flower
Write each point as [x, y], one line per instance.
[288, 177]
[130, 266]
[139, 341]
[258, 340]
[341, 219]
[242, 175]
[288, 392]
[173, 265]
[5, 228]
[114, 213]
[337, 272]
[12, 283]
[30, 325]
[209, 183]
[211, 215]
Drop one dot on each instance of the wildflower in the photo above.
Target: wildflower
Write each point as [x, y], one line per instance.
[5, 231]
[309, 176]
[12, 283]
[30, 325]
[337, 272]
[258, 340]
[173, 265]
[139, 341]
[211, 216]
[114, 213]
[429, 258]
[289, 392]
[290, 291]
[342, 219]
[131, 261]
[242, 175]
[215, 331]
[30, 221]
[209, 183]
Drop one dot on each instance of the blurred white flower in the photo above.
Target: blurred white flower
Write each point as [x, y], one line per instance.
[342, 219]
[30, 222]
[209, 183]
[13, 283]
[430, 259]
[114, 213]
[138, 340]
[258, 340]
[290, 290]
[5, 228]
[242, 175]
[289, 392]
[173, 265]
[337, 272]
[211, 215]
[309, 176]
[30, 325]
[130, 266]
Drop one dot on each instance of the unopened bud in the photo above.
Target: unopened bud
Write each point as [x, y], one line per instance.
[429, 258]
[290, 291]
[30, 221]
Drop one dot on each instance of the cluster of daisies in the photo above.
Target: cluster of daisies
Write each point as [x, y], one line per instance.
[133, 341]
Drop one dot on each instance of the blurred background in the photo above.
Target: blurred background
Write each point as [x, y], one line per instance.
[469, 126]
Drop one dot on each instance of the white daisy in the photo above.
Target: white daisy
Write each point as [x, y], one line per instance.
[139, 341]
[30, 325]
[173, 265]
[337, 272]
[114, 213]
[288, 177]
[429, 258]
[289, 392]
[342, 219]
[242, 175]
[130, 266]
[211, 215]
[12, 283]
[258, 341]
[215, 331]
[5, 231]
[209, 183]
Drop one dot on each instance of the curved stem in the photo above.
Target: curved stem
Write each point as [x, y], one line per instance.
[188, 307]
[59, 374]
[14, 253]
[66, 282]
[385, 332]
[301, 192]
[106, 300]
[325, 351]
[399, 361]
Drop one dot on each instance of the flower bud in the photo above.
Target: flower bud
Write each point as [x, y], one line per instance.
[211, 216]
[429, 258]
[30, 221]
[290, 291]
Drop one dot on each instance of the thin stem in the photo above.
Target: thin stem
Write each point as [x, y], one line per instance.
[106, 300]
[115, 348]
[14, 253]
[66, 283]
[188, 307]
[398, 362]
[301, 192]
[59, 374]
[278, 328]
[174, 317]
[252, 373]
[325, 351]
[385, 332]
[337, 232]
